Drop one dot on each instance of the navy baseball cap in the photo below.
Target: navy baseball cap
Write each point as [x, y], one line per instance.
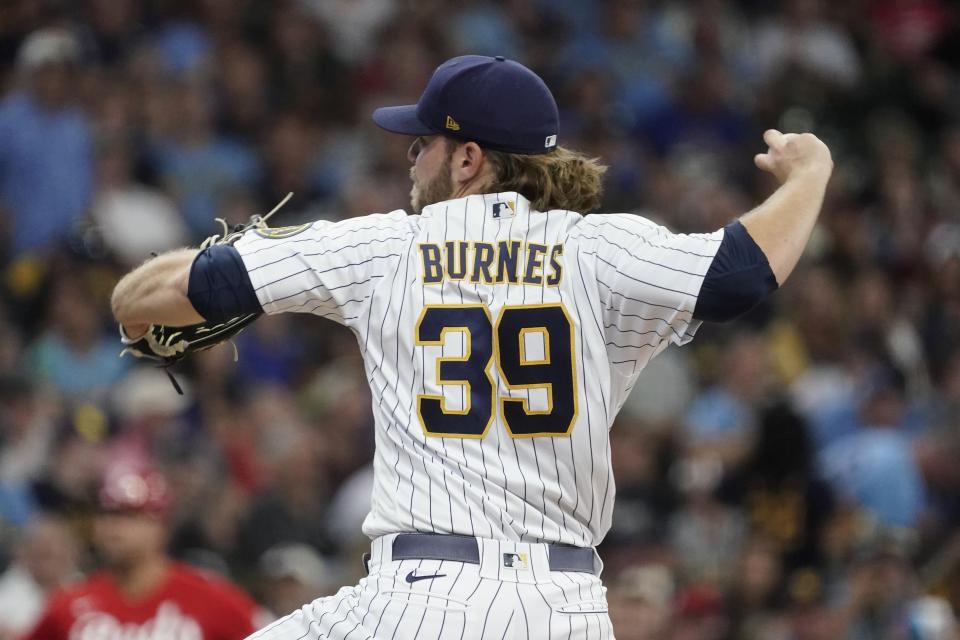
[497, 103]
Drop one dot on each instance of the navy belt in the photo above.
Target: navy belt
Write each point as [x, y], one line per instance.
[434, 546]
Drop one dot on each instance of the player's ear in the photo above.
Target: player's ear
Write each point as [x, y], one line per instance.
[467, 162]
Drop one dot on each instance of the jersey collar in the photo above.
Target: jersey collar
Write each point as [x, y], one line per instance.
[502, 205]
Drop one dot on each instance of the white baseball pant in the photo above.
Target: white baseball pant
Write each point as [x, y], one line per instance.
[511, 594]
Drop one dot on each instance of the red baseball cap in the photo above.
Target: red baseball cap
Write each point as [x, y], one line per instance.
[132, 489]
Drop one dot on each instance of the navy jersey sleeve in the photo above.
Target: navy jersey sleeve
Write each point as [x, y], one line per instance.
[738, 280]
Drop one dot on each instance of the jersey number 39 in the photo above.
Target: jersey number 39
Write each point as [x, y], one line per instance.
[506, 341]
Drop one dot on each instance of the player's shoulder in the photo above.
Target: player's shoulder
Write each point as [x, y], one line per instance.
[382, 227]
[397, 216]
[395, 224]
[606, 232]
[614, 223]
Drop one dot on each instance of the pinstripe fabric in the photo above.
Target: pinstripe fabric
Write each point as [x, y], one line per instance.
[628, 288]
[464, 602]
[628, 285]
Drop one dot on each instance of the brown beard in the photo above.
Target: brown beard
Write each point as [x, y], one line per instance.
[438, 189]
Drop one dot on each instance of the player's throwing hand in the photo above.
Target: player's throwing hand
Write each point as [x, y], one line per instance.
[789, 153]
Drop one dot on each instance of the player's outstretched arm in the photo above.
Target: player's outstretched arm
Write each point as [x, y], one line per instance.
[156, 293]
[781, 226]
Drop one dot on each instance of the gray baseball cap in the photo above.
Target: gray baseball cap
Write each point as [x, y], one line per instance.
[48, 46]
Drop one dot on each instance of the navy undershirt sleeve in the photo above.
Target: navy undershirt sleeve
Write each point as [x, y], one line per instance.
[220, 288]
[738, 280]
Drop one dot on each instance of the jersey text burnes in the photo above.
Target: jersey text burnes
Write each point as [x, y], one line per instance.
[504, 262]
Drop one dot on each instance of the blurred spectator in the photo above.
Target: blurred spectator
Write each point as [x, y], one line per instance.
[721, 419]
[294, 164]
[646, 488]
[756, 594]
[815, 357]
[183, 45]
[663, 398]
[883, 329]
[133, 219]
[881, 597]
[74, 467]
[198, 166]
[114, 27]
[907, 29]
[786, 503]
[352, 23]
[46, 159]
[348, 509]
[635, 44]
[641, 600]
[306, 73]
[74, 355]
[141, 588]
[141, 401]
[288, 511]
[244, 89]
[801, 39]
[699, 615]
[294, 574]
[875, 466]
[149, 419]
[46, 557]
[699, 115]
[27, 429]
[485, 29]
[705, 534]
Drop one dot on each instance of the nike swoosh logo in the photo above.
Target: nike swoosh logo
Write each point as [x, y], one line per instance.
[411, 578]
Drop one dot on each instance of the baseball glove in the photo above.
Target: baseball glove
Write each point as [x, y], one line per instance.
[168, 345]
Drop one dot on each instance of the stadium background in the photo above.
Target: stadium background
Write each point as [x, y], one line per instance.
[793, 475]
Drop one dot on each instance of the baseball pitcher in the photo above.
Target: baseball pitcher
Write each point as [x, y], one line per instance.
[501, 331]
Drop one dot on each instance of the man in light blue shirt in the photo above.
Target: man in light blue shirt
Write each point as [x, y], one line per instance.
[875, 465]
[46, 152]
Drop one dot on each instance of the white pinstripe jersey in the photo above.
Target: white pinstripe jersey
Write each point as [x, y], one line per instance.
[499, 344]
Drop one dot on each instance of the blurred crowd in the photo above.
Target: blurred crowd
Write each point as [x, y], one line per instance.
[791, 476]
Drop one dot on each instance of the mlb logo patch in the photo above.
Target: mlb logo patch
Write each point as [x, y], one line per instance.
[551, 141]
[516, 561]
[504, 209]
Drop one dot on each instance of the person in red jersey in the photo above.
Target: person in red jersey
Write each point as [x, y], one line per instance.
[142, 593]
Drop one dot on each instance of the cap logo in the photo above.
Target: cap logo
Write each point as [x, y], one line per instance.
[452, 124]
[551, 141]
